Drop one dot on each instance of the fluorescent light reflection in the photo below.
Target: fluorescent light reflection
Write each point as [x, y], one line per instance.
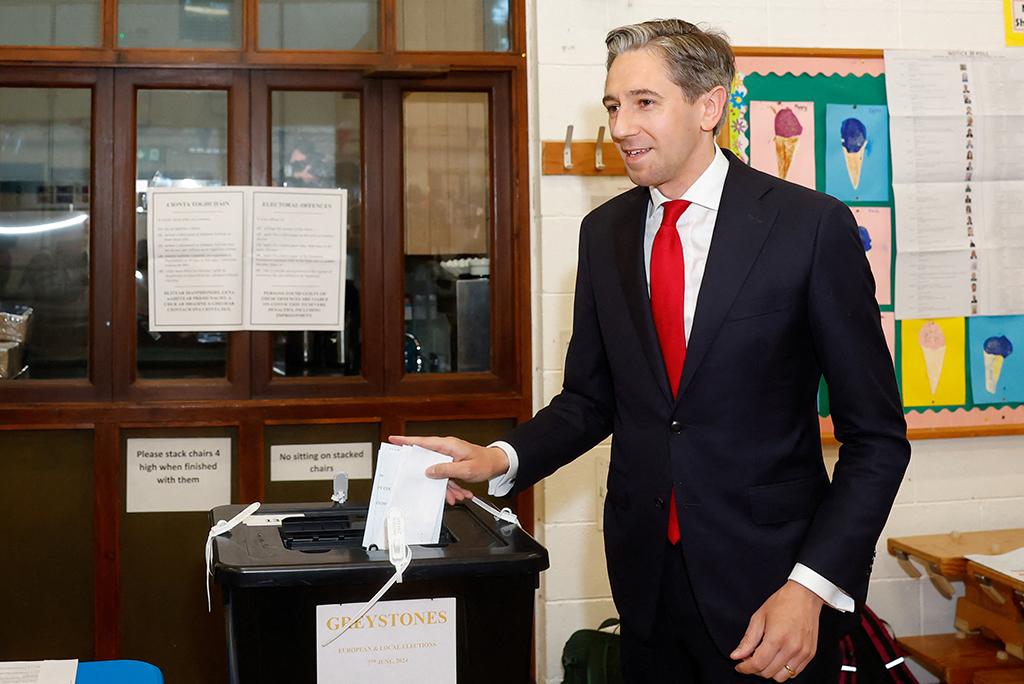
[34, 229]
[207, 11]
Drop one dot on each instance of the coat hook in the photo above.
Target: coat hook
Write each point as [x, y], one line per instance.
[599, 150]
[567, 150]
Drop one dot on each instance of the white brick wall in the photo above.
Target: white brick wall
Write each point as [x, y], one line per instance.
[963, 484]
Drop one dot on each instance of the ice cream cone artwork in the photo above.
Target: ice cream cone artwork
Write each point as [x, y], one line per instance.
[996, 350]
[854, 163]
[785, 148]
[855, 141]
[933, 346]
[787, 136]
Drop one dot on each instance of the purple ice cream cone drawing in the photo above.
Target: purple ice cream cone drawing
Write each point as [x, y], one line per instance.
[787, 135]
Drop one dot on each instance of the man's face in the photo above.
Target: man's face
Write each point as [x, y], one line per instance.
[301, 166]
[656, 129]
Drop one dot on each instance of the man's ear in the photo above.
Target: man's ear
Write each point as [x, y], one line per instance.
[714, 107]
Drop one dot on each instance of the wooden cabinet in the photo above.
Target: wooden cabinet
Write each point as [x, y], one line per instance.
[451, 123]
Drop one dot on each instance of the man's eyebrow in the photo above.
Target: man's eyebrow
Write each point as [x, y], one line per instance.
[632, 93]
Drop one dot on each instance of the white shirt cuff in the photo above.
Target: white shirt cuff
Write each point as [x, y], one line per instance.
[502, 484]
[828, 592]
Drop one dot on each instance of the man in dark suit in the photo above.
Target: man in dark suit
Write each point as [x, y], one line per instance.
[701, 328]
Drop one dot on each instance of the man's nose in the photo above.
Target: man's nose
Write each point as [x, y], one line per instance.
[621, 126]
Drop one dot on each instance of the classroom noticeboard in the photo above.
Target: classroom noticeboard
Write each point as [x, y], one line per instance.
[820, 119]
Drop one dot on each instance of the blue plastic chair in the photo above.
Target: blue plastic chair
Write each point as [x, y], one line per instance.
[118, 672]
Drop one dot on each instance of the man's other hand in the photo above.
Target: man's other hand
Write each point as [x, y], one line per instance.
[782, 637]
[470, 462]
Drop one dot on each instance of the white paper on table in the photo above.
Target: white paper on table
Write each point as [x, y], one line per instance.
[1010, 564]
[39, 672]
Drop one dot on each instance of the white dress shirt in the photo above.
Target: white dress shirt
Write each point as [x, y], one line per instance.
[696, 227]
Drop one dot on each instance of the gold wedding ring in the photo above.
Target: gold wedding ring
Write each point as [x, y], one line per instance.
[791, 671]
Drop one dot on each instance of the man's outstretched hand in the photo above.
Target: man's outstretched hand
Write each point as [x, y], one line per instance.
[782, 637]
[470, 462]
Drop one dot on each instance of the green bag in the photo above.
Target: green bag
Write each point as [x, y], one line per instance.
[593, 656]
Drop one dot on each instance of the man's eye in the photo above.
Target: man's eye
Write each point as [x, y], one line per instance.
[646, 103]
[612, 109]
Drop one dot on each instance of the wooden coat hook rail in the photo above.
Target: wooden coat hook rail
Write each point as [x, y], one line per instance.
[582, 157]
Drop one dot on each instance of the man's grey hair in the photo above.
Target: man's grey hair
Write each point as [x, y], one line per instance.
[696, 60]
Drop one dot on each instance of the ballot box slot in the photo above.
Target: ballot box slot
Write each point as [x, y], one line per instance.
[324, 531]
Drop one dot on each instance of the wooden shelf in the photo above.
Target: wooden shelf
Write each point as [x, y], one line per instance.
[945, 552]
[955, 659]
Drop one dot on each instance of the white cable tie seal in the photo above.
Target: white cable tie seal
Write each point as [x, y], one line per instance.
[505, 514]
[894, 663]
[399, 554]
[848, 668]
[219, 528]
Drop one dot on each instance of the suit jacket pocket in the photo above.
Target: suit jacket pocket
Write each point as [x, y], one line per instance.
[759, 306]
[783, 501]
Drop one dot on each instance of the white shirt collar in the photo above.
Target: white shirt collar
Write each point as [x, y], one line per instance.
[706, 191]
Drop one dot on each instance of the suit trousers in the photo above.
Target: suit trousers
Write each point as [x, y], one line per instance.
[681, 651]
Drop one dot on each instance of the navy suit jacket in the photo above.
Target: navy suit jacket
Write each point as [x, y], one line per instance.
[787, 297]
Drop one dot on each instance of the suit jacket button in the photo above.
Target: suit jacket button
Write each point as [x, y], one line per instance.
[659, 502]
[675, 427]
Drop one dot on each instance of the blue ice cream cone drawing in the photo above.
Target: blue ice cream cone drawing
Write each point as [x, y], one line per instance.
[996, 350]
[855, 142]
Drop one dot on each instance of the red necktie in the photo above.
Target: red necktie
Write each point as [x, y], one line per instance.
[668, 284]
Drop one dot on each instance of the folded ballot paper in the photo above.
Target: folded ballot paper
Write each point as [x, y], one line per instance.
[401, 483]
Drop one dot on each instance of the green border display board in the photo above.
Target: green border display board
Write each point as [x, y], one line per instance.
[836, 86]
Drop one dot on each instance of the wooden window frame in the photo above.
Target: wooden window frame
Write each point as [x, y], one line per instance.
[370, 381]
[96, 386]
[126, 383]
[504, 359]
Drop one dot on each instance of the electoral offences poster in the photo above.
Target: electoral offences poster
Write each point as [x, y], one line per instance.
[246, 258]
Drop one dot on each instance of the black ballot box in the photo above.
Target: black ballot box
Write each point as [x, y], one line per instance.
[273, 578]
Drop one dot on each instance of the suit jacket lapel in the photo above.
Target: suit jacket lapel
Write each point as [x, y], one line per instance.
[742, 226]
[629, 255]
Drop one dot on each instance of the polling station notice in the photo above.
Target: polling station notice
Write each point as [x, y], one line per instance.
[175, 475]
[295, 462]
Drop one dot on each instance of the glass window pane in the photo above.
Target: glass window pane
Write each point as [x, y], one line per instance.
[474, 25]
[50, 22]
[179, 23]
[45, 164]
[319, 24]
[181, 141]
[315, 143]
[447, 232]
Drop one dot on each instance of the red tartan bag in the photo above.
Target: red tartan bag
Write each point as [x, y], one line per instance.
[869, 654]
